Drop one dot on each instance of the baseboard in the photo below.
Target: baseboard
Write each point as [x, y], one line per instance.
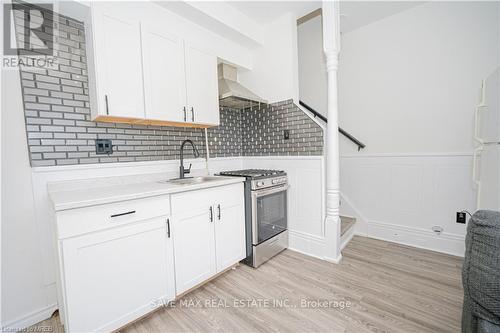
[424, 239]
[29, 319]
[334, 260]
[306, 244]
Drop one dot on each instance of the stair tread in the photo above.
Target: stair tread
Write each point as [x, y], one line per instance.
[346, 223]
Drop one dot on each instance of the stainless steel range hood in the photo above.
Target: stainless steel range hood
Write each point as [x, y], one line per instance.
[231, 93]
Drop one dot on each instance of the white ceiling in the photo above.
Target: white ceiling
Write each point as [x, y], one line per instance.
[264, 12]
[355, 14]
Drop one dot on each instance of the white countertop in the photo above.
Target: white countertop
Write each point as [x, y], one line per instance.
[84, 197]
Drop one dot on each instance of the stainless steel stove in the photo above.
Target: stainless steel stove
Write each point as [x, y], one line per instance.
[266, 213]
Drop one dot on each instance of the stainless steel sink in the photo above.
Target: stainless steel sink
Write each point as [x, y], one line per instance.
[192, 180]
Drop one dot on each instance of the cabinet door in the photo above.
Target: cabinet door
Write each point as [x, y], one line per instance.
[193, 234]
[117, 57]
[202, 86]
[164, 80]
[194, 249]
[230, 226]
[115, 276]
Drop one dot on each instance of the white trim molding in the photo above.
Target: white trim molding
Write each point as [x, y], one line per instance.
[403, 155]
[29, 319]
[331, 48]
[307, 244]
[425, 239]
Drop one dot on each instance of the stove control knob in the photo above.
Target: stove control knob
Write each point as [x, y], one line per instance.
[275, 181]
[259, 184]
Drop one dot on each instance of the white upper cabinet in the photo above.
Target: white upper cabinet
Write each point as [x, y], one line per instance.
[164, 80]
[143, 72]
[117, 42]
[202, 86]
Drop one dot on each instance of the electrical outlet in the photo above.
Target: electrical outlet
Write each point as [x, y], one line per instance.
[461, 217]
[286, 134]
[103, 147]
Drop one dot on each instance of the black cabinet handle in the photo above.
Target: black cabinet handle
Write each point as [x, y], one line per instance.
[107, 106]
[122, 214]
[168, 228]
[192, 113]
[218, 212]
[211, 214]
[185, 113]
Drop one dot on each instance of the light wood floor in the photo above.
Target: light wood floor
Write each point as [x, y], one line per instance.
[390, 287]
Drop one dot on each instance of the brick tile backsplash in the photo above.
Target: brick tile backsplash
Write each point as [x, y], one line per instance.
[60, 132]
[259, 132]
[263, 133]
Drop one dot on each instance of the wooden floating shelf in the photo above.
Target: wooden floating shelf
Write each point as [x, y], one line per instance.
[136, 121]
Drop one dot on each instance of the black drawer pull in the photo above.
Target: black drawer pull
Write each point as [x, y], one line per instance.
[107, 106]
[121, 214]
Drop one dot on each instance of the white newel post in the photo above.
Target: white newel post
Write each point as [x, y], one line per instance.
[331, 47]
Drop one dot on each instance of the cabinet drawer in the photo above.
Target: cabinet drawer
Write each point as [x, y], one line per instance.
[83, 220]
[230, 195]
[195, 201]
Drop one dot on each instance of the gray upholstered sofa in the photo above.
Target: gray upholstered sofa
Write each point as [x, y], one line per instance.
[481, 274]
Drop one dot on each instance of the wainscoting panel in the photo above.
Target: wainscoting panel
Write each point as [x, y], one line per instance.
[401, 197]
[305, 198]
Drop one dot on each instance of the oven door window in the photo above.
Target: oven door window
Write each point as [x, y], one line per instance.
[271, 215]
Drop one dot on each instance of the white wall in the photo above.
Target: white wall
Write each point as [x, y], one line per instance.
[25, 298]
[408, 87]
[274, 75]
[312, 67]
[401, 197]
[220, 17]
[410, 82]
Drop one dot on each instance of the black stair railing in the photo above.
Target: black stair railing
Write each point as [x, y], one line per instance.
[315, 113]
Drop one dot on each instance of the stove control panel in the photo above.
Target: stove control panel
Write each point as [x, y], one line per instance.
[268, 182]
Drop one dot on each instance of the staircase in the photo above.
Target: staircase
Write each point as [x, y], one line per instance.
[346, 223]
[316, 114]
[346, 230]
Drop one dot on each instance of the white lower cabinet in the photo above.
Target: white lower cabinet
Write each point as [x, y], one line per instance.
[194, 241]
[230, 231]
[115, 276]
[119, 261]
[208, 232]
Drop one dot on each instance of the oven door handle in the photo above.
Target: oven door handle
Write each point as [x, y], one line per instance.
[261, 193]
